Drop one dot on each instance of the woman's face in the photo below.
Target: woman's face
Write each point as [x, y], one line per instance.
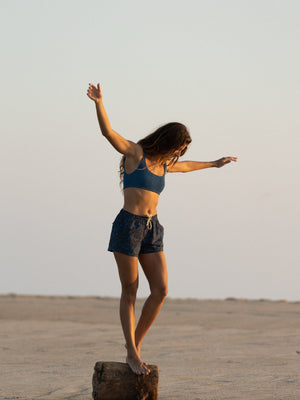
[175, 154]
[180, 152]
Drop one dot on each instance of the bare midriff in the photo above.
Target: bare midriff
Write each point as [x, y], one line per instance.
[140, 202]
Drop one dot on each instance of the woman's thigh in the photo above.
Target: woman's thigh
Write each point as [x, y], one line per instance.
[128, 269]
[155, 268]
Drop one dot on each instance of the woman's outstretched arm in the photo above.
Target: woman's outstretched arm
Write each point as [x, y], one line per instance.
[188, 166]
[121, 144]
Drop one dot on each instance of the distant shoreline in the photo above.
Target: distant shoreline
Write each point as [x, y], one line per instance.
[238, 299]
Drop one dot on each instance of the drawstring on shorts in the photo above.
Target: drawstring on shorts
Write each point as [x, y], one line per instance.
[149, 221]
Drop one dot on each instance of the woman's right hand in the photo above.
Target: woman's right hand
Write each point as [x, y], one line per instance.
[94, 93]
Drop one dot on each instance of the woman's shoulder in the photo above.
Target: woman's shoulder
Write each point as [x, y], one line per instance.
[131, 162]
[138, 153]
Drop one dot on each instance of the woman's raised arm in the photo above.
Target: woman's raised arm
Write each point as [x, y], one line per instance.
[121, 144]
[188, 166]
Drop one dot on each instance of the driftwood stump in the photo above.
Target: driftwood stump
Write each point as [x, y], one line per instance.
[116, 381]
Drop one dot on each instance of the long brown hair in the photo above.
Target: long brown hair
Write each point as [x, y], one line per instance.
[164, 142]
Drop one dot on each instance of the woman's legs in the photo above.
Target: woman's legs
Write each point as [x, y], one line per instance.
[128, 272]
[155, 269]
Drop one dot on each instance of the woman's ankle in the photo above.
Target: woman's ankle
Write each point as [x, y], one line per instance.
[131, 350]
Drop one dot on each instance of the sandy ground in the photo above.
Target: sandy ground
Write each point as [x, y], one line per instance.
[205, 349]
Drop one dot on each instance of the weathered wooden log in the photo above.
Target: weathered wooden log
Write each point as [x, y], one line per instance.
[116, 381]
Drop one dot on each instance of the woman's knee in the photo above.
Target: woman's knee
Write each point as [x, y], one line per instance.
[129, 292]
[160, 293]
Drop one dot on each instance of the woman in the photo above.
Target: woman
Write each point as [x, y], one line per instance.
[137, 234]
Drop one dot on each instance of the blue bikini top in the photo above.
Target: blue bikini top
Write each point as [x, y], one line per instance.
[142, 178]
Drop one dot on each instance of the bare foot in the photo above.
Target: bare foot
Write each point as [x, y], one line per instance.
[137, 366]
[138, 349]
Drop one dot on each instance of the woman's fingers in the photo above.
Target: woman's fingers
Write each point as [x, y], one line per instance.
[89, 92]
[94, 92]
[225, 160]
[229, 159]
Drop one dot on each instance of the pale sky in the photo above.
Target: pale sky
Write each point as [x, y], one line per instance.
[229, 70]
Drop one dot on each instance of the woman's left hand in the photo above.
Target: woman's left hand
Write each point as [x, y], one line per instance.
[223, 161]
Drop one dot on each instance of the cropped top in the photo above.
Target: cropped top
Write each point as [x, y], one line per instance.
[142, 178]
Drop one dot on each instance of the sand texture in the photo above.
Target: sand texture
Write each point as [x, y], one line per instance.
[205, 349]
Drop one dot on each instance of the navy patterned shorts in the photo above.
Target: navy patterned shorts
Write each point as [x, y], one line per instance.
[134, 234]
